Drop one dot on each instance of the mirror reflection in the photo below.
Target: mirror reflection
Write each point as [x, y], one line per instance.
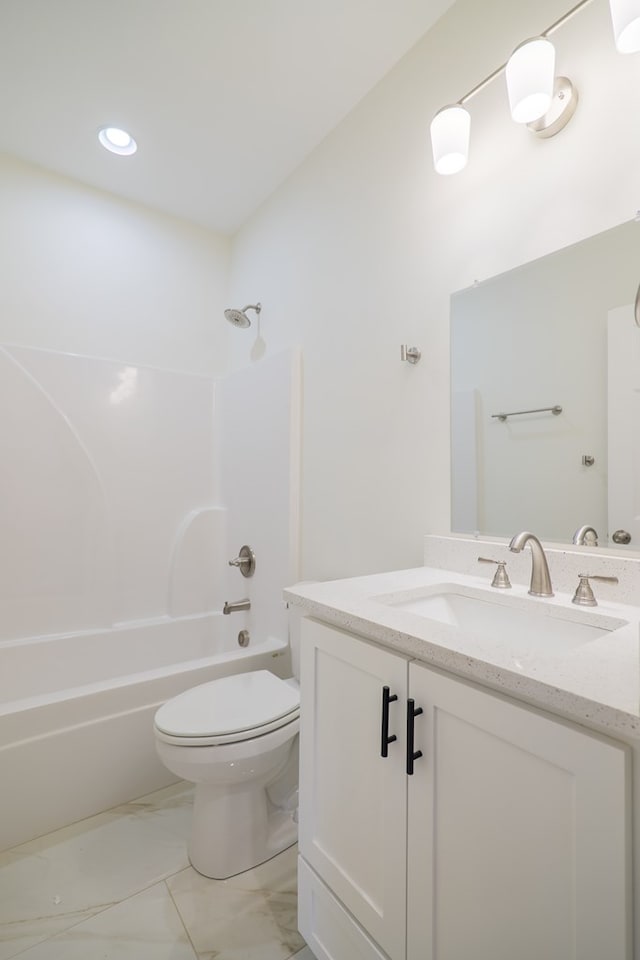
[555, 347]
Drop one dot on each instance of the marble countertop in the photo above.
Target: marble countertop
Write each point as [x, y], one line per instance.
[596, 683]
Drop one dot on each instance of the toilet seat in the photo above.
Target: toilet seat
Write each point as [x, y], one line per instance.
[228, 710]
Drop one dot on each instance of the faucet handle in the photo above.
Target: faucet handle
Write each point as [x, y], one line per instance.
[501, 578]
[584, 595]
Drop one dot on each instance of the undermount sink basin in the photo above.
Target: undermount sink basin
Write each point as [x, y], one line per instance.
[525, 626]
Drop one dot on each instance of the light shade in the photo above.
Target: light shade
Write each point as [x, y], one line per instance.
[117, 141]
[530, 75]
[450, 139]
[625, 15]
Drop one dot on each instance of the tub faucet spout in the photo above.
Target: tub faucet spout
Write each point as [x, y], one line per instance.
[540, 580]
[236, 605]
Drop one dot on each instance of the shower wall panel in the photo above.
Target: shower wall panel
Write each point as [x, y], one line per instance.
[109, 507]
[258, 414]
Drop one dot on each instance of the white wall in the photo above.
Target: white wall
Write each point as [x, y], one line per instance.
[360, 249]
[84, 272]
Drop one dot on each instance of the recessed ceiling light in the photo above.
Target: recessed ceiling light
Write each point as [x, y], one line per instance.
[117, 141]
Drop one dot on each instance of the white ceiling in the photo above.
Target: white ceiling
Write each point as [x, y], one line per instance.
[225, 97]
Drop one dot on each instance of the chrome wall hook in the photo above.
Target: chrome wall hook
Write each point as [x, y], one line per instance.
[411, 354]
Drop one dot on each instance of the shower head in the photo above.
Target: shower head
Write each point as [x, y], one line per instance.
[239, 318]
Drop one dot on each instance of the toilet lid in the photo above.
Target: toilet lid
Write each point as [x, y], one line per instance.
[229, 705]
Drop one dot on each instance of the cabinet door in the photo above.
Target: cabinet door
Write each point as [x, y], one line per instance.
[352, 800]
[519, 832]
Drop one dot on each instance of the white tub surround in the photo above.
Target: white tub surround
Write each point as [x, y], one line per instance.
[114, 509]
[257, 426]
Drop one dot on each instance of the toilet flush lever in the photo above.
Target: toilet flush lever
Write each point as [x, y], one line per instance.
[245, 561]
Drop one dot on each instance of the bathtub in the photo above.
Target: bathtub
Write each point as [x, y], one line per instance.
[76, 712]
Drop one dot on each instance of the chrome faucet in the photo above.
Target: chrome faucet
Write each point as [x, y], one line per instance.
[585, 536]
[236, 605]
[540, 580]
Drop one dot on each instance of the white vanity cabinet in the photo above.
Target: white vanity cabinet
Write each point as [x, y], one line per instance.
[510, 839]
[353, 803]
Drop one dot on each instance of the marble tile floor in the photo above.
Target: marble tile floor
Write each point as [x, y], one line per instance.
[118, 886]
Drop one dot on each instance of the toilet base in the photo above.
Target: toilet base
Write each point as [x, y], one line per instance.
[245, 797]
[236, 829]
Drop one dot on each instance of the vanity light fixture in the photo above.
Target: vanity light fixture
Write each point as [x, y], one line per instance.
[450, 138]
[625, 15]
[530, 73]
[537, 98]
[117, 141]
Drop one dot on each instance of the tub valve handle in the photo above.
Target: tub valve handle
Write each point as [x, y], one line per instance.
[245, 561]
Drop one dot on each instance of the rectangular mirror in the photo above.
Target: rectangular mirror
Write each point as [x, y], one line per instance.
[556, 333]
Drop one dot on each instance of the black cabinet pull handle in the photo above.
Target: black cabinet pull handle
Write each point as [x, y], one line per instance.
[412, 755]
[385, 738]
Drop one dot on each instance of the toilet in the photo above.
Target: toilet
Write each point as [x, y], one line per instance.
[236, 739]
